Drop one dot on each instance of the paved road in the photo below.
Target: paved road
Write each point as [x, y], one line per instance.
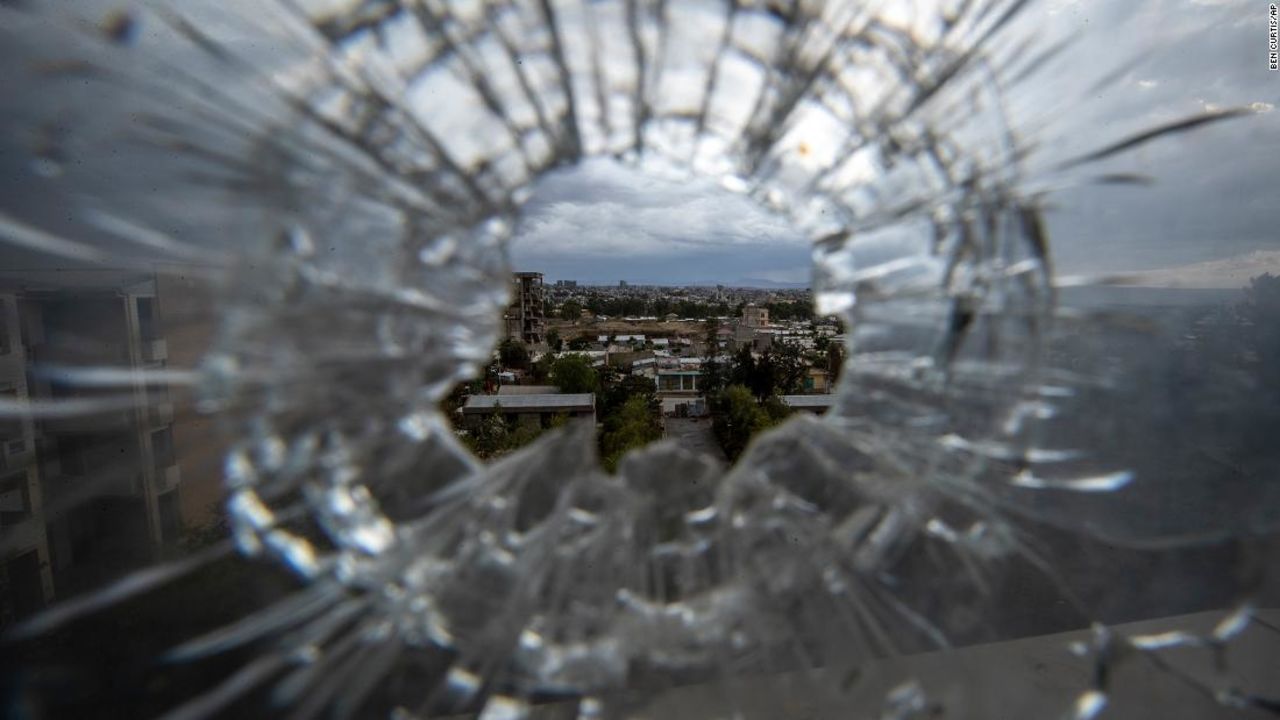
[694, 434]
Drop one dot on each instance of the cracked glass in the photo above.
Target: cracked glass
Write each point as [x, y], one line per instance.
[248, 248]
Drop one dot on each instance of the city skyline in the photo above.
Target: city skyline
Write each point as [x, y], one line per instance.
[1226, 273]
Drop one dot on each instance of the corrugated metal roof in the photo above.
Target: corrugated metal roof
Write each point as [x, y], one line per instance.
[531, 403]
[808, 400]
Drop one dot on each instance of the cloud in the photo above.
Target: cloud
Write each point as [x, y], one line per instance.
[787, 276]
[1212, 195]
[608, 228]
[605, 220]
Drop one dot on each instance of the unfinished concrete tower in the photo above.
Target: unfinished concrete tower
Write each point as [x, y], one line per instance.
[526, 321]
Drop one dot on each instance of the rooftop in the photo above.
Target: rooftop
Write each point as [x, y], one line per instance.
[808, 401]
[531, 403]
[528, 390]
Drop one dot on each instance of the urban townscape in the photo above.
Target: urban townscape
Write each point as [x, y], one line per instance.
[707, 367]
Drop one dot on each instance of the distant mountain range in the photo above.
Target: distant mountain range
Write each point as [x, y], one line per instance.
[750, 283]
[769, 284]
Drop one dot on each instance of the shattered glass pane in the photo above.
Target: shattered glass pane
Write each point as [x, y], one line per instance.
[248, 247]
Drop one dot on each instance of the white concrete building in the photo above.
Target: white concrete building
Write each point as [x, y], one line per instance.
[82, 496]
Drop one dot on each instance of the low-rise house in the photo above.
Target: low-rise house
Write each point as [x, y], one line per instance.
[816, 404]
[528, 390]
[540, 409]
[597, 358]
[646, 367]
[817, 380]
[678, 381]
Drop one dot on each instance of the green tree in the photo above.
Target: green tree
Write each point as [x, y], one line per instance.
[540, 371]
[491, 436]
[789, 369]
[763, 379]
[630, 413]
[775, 409]
[632, 426]
[743, 367]
[554, 341]
[574, 374]
[791, 310]
[495, 435]
[737, 418]
[711, 336]
[513, 354]
[582, 342]
[835, 360]
[522, 435]
[618, 391]
[570, 311]
[607, 376]
[712, 380]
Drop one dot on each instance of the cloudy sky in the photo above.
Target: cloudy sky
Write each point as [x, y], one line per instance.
[1210, 215]
[1210, 210]
[1212, 199]
[602, 222]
